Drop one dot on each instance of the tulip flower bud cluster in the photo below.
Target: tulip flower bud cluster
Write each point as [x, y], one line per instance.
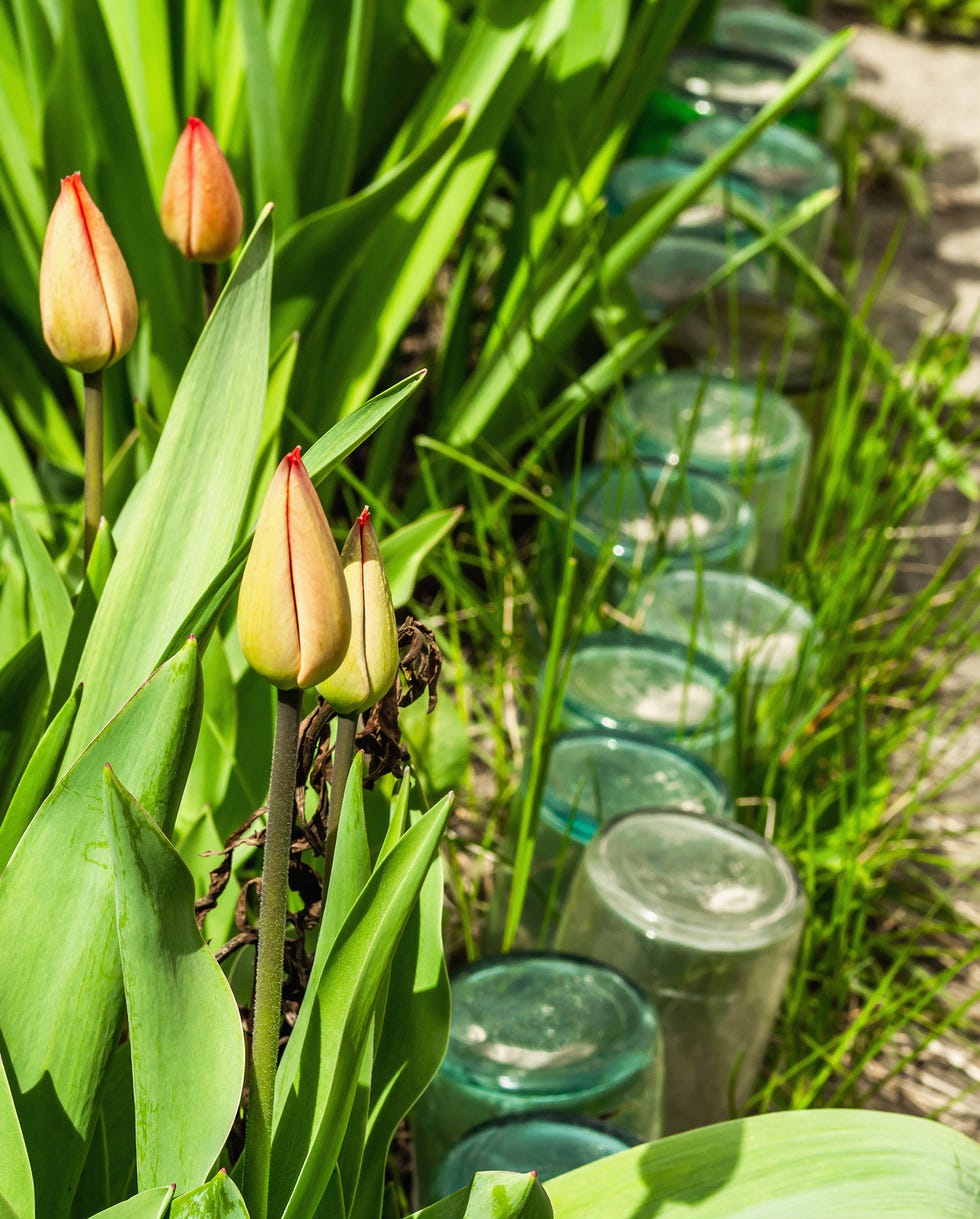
[306, 615]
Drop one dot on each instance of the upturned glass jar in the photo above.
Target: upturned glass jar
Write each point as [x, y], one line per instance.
[547, 1144]
[540, 1032]
[678, 268]
[784, 165]
[706, 917]
[764, 639]
[743, 29]
[727, 429]
[591, 778]
[655, 687]
[708, 217]
[653, 515]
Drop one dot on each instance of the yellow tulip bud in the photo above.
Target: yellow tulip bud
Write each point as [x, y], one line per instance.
[200, 211]
[88, 306]
[369, 667]
[294, 618]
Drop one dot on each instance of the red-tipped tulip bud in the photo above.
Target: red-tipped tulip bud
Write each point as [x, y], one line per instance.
[369, 667]
[201, 211]
[88, 306]
[294, 618]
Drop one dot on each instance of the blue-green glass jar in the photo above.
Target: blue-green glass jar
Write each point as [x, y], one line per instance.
[546, 1144]
[680, 267]
[655, 687]
[539, 1032]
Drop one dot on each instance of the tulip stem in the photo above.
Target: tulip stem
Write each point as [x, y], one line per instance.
[93, 458]
[343, 755]
[212, 289]
[267, 1003]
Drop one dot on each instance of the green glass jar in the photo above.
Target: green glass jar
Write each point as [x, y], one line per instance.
[678, 268]
[706, 917]
[549, 1145]
[536, 1033]
[728, 429]
[655, 687]
[653, 516]
[785, 36]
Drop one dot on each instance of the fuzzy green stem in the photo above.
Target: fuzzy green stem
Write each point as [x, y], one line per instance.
[267, 1003]
[212, 289]
[93, 458]
[343, 755]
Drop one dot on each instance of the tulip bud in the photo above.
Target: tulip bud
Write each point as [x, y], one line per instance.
[369, 667]
[88, 306]
[294, 618]
[200, 211]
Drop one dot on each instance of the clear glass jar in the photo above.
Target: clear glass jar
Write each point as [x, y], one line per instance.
[591, 778]
[728, 429]
[706, 917]
[677, 268]
[541, 1032]
[764, 639]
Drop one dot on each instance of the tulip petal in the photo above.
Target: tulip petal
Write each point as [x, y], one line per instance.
[200, 210]
[267, 625]
[322, 607]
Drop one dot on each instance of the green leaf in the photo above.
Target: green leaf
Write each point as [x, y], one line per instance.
[189, 1053]
[328, 452]
[16, 473]
[319, 1068]
[23, 704]
[218, 1199]
[38, 777]
[109, 1174]
[351, 865]
[16, 1182]
[806, 1164]
[271, 179]
[405, 550]
[413, 1039]
[151, 1204]
[48, 593]
[497, 1195]
[87, 599]
[56, 926]
[185, 518]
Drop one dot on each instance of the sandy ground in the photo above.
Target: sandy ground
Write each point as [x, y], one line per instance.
[932, 88]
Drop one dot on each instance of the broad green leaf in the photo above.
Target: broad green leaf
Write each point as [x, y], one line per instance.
[16, 1181]
[16, 474]
[328, 452]
[57, 915]
[48, 593]
[806, 1164]
[191, 1047]
[23, 704]
[187, 514]
[214, 758]
[413, 1039]
[86, 599]
[38, 777]
[351, 865]
[271, 178]
[405, 550]
[109, 1174]
[151, 1204]
[217, 1199]
[497, 1195]
[335, 236]
[319, 1068]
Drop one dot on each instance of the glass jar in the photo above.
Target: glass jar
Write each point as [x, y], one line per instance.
[678, 267]
[655, 687]
[706, 917]
[547, 1144]
[540, 1032]
[763, 638]
[727, 429]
